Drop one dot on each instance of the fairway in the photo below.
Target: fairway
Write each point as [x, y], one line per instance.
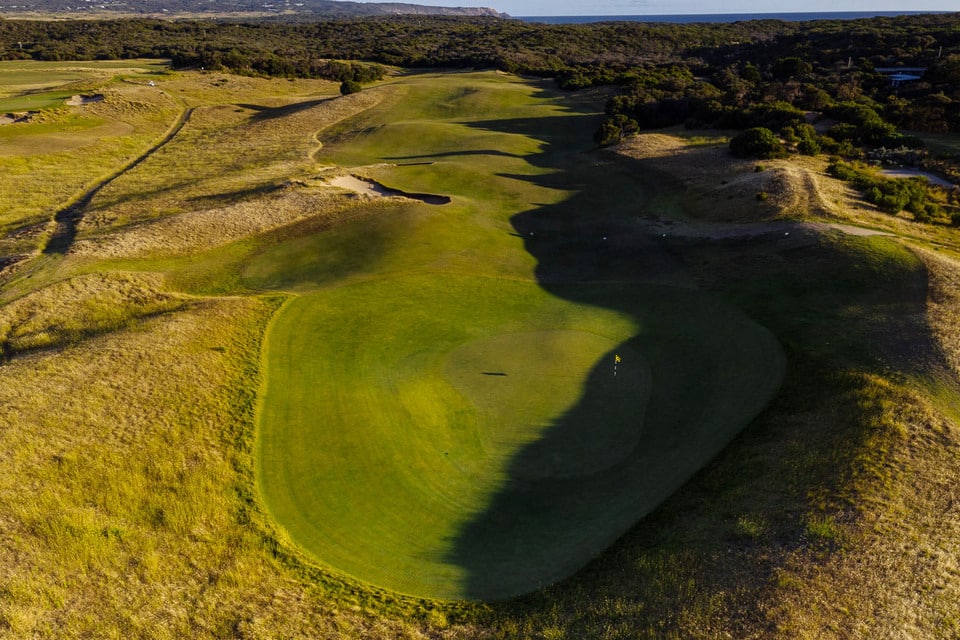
[435, 419]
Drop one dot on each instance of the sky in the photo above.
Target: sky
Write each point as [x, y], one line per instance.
[652, 7]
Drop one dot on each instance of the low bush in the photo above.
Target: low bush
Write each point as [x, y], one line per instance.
[758, 142]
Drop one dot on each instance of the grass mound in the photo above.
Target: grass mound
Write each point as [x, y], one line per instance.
[68, 311]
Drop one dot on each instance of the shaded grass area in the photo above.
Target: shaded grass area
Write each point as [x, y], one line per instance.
[736, 551]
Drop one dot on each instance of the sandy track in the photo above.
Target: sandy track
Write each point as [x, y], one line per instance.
[69, 217]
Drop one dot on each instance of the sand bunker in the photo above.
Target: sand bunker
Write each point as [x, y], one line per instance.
[79, 100]
[374, 189]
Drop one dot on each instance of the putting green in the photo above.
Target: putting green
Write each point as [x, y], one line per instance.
[434, 420]
[498, 376]
[388, 451]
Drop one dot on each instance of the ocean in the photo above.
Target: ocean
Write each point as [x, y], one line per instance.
[724, 17]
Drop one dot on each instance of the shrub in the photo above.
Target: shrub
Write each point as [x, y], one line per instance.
[758, 142]
[808, 147]
[349, 86]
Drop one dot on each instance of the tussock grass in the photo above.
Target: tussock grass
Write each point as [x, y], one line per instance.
[211, 227]
[223, 153]
[71, 310]
[125, 491]
[231, 172]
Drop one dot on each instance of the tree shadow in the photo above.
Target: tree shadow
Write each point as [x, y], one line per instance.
[262, 112]
[455, 154]
[709, 310]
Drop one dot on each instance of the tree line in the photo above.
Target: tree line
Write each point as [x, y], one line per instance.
[761, 73]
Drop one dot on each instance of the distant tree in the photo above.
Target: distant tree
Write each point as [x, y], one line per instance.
[791, 67]
[750, 73]
[349, 86]
[758, 142]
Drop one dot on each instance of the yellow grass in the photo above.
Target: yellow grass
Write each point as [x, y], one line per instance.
[40, 179]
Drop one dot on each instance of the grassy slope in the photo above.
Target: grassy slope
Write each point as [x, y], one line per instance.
[127, 465]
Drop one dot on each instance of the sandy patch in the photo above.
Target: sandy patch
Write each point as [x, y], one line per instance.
[373, 189]
[80, 100]
[361, 187]
[852, 230]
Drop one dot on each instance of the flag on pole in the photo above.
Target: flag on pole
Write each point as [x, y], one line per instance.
[616, 359]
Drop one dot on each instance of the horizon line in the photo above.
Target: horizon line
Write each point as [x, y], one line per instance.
[732, 13]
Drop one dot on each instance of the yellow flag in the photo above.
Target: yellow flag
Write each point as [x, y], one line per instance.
[616, 359]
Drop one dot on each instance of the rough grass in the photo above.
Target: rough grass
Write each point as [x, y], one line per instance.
[229, 173]
[125, 489]
[77, 308]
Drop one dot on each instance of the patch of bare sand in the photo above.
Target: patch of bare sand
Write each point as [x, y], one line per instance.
[358, 186]
[80, 100]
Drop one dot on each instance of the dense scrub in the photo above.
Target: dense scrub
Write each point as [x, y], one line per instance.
[658, 60]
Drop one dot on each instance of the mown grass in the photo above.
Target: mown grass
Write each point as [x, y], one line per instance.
[127, 482]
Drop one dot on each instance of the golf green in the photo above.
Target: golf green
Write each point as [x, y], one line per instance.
[435, 419]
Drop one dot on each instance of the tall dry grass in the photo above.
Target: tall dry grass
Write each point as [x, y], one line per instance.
[231, 172]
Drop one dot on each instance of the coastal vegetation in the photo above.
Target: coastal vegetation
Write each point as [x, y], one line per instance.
[423, 360]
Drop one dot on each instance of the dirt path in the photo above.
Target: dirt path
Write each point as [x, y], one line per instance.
[69, 217]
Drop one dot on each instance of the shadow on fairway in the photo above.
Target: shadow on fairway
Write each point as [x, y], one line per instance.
[820, 297]
[270, 113]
